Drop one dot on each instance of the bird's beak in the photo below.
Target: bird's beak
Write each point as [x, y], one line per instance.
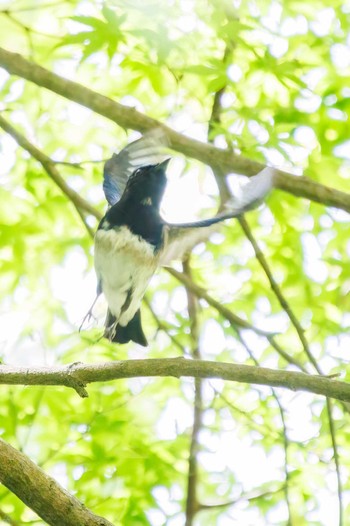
[163, 165]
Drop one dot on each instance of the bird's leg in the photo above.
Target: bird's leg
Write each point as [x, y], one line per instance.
[89, 314]
[111, 330]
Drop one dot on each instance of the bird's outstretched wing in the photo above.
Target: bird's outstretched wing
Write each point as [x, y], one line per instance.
[180, 238]
[150, 149]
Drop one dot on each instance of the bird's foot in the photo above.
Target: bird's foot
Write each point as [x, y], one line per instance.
[110, 331]
[89, 314]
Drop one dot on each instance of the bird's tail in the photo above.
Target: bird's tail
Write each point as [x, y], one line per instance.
[132, 331]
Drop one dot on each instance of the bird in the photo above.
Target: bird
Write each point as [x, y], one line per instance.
[133, 240]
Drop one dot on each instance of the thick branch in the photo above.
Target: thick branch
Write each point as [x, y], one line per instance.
[128, 117]
[41, 492]
[78, 375]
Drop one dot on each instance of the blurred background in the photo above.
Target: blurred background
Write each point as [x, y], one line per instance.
[269, 80]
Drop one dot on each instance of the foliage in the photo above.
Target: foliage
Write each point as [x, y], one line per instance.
[283, 69]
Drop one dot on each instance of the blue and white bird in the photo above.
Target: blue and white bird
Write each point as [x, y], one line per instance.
[133, 240]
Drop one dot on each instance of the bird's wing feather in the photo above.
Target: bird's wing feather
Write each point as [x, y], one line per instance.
[180, 238]
[178, 241]
[150, 149]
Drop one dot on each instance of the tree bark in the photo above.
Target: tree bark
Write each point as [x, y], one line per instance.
[42, 493]
[78, 375]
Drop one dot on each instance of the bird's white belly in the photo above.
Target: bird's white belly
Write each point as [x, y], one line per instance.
[124, 264]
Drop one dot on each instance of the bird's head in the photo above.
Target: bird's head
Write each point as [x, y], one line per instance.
[147, 184]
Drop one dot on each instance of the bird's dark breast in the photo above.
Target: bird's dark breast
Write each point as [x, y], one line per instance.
[143, 221]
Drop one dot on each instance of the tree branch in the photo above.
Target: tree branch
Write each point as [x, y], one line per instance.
[286, 448]
[295, 322]
[49, 166]
[236, 322]
[163, 326]
[78, 375]
[192, 475]
[127, 117]
[337, 465]
[253, 495]
[277, 291]
[41, 492]
[200, 292]
[224, 193]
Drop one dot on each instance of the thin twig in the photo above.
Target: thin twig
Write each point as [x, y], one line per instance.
[272, 432]
[288, 357]
[50, 168]
[202, 293]
[79, 165]
[285, 436]
[192, 477]
[28, 30]
[277, 291]
[332, 431]
[32, 7]
[236, 321]
[6, 518]
[224, 193]
[163, 326]
[286, 460]
[295, 322]
[253, 495]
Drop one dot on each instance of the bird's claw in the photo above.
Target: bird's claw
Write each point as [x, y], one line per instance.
[89, 313]
[111, 331]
